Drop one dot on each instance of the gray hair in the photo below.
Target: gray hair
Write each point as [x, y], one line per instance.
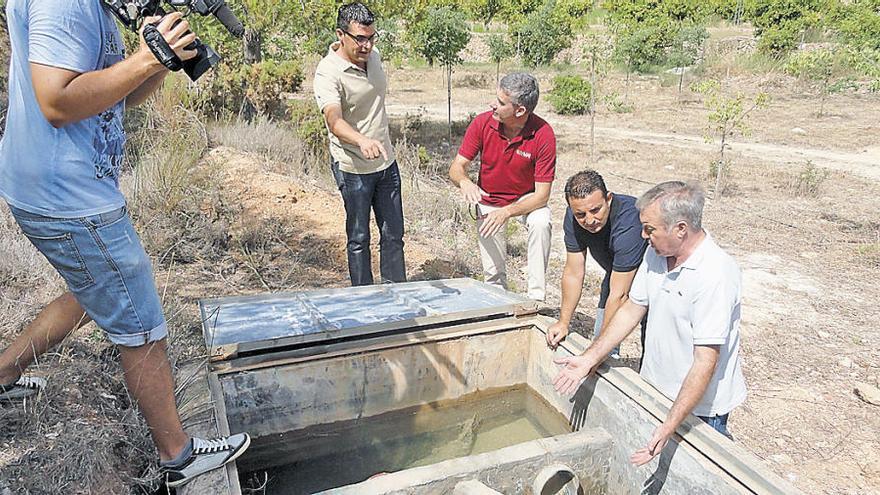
[679, 202]
[522, 88]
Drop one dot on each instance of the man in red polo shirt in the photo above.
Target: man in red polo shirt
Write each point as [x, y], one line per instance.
[517, 164]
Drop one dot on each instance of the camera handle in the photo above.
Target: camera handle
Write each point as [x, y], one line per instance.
[160, 48]
[205, 57]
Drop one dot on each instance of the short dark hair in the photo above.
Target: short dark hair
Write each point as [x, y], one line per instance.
[582, 184]
[354, 12]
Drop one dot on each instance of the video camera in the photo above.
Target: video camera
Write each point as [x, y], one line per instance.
[133, 12]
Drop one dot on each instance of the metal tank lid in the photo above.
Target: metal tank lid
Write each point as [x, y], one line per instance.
[233, 326]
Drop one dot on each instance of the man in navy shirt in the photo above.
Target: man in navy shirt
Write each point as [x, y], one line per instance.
[607, 225]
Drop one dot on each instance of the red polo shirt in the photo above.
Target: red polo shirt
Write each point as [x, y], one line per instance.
[509, 168]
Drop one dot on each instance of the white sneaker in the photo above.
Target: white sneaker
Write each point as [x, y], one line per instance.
[207, 455]
[23, 388]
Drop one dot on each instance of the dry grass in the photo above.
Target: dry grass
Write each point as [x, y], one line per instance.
[274, 145]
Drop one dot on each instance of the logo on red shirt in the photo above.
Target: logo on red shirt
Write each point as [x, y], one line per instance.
[524, 154]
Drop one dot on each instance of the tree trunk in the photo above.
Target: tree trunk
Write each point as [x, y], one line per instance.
[253, 53]
[626, 86]
[593, 108]
[253, 46]
[680, 79]
[497, 72]
[720, 169]
[449, 99]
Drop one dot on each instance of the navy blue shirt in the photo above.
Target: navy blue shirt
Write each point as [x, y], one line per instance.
[618, 247]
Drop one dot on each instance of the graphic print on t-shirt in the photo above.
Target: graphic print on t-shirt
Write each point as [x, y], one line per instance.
[109, 136]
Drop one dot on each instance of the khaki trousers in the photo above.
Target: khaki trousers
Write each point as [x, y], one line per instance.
[493, 251]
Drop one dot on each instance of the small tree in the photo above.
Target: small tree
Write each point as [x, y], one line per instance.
[483, 10]
[597, 54]
[638, 49]
[686, 48]
[819, 67]
[440, 37]
[727, 117]
[500, 49]
[542, 35]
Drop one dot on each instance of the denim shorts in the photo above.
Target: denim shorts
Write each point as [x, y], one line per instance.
[105, 266]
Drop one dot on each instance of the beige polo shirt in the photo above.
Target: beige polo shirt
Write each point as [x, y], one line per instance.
[361, 95]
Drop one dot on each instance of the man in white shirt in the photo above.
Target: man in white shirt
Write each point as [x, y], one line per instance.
[694, 291]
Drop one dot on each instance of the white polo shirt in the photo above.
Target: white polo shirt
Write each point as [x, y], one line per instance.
[697, 303]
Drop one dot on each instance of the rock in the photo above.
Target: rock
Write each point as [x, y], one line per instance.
[781, 458]
[824, 335]
[868, 393]
[799, 131]
[845, 362]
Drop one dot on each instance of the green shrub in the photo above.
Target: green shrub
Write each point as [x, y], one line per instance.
[617, 104]
[268, 81]
[264, 84]
[780, 24]
[769, 14]
[308, 123]
[779, 41]
[317, 42]
[857, 23]
[570, 95]
[808, 182]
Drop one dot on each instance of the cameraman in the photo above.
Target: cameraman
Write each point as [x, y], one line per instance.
[60, 158]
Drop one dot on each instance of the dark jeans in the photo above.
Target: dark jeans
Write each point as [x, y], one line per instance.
[379, 191]
[719, 423]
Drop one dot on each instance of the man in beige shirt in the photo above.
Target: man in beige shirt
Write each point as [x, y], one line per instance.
[350, 88]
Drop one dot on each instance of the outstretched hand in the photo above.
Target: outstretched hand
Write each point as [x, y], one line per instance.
[575, 369]
[656, 445]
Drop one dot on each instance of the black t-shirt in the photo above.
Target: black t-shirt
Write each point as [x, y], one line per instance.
[618, 247]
